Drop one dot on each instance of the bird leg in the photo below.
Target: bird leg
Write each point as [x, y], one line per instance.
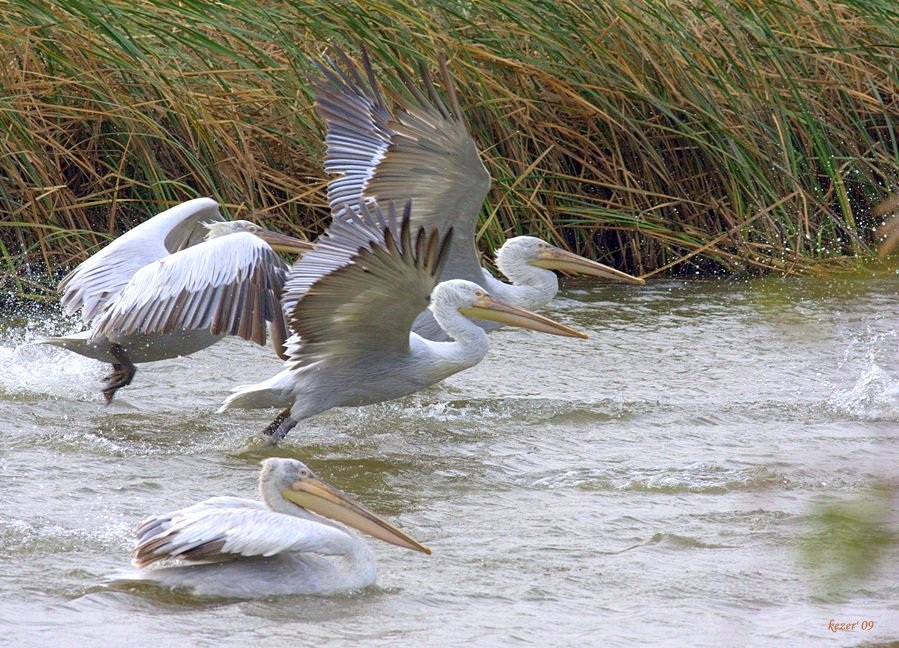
[278, 429]
[122, 372]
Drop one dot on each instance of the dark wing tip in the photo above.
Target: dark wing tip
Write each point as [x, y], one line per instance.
[442, 252]
[450, 89]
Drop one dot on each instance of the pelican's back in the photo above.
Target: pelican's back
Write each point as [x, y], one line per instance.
[99, 279]
[237, 547]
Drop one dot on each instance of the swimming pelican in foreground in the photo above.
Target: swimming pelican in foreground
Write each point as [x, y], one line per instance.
[424, 152]
[351, 303]
[246, 548]
[175, 284]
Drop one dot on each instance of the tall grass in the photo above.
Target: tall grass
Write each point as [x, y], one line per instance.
[685, 136]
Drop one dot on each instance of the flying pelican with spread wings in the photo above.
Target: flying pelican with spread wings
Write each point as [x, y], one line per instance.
[175, 284]
[351, 303]
[292, 542]
[422, 151]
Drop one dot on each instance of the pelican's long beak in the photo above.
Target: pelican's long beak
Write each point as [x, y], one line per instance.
[490, 308]
[553, 258]
[315, 495]
[283, 242]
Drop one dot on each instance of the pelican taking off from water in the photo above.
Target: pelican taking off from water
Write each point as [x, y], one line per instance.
[423, 152]
[245, 548]
[351, 303]
[175, 284]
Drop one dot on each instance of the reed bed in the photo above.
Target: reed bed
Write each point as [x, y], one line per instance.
[690, 136]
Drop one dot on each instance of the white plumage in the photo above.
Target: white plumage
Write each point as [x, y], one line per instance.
[236, 547]
[176, 284]
[422, 152]
[352, 301]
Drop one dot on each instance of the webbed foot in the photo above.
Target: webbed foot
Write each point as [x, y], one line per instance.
[278, 429]
[122, 373]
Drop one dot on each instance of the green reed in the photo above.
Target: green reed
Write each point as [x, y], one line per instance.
[702, 136]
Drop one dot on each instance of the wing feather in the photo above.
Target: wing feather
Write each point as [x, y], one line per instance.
[361, 287]
[422, 152]
[97, 281]
[224, 528]
[229, 285]
[358, 133]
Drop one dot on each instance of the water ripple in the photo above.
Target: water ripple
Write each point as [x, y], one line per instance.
[700, 477]
[646, 486]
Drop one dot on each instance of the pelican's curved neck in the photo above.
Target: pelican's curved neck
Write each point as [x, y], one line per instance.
[468, 345]
[531, 287]
[270, 492]
[330, 538]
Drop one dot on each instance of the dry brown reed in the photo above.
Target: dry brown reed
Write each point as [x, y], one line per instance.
[688, 136]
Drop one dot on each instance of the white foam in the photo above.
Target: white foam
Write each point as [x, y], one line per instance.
[29, 368]
[875, 392]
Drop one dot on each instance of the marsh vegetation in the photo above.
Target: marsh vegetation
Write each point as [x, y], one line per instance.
[679, 137]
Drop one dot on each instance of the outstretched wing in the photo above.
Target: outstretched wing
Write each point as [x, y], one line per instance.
[359, 131]
[230, 285]
[225, 528]
[97, 281]
[422, 152]
[361, 287]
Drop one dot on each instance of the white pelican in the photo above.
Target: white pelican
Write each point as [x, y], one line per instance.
[175, 284]
[351, 303]
[423, 152]
[245, 548]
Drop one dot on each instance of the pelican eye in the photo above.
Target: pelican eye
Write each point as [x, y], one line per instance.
[479, 293]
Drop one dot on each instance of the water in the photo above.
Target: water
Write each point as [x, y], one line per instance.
[661, 483]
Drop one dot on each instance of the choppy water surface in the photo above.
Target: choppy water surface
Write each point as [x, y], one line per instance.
[660, 483]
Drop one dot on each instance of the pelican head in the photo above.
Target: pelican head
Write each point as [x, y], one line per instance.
[472, 301]
[536, 252]
[298, 485]
[277, 241]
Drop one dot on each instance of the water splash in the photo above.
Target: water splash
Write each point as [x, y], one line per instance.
[875, 393]
[33, 370]
[29, 370]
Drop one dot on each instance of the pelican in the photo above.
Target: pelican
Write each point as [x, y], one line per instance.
[423, 152]
[351, 303]
[174, 285]
[292, 542]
